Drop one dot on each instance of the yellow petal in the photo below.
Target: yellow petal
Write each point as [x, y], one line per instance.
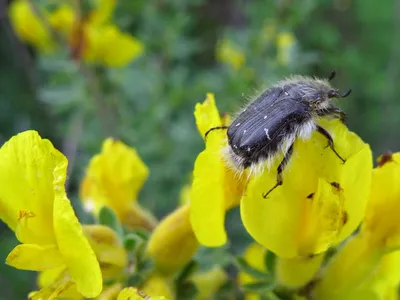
[106, 244]
[29, 27]
[229, 53]
[381, 219]
[173, 244]
[56, 284]
[62, 19]
[208, 282]
[27, 163]
[383, 283]
[351, 266]
[34, 257]
[321, 200]
[255, 257]
[207, 116]
[47, 277]
[215, 187]
[137, 217]
[103, 11]
[156, 286]
[298, 271]
[110, 292]
[112, 47]
[207, 208]
[79, 257]
[114, 178]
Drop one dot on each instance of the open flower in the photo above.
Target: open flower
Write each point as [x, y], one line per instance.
[365, 253]
[215, 187]
[114, 178]
[29, 27]
[109, 252]
[285, 42]
[230, 54]
[93, 37]
[321, 201]
[33, 203]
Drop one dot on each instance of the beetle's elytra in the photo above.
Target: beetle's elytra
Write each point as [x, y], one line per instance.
[274, 120]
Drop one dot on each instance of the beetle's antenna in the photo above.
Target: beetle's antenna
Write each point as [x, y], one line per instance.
[215, 128]
[333, 74]
[346, 94]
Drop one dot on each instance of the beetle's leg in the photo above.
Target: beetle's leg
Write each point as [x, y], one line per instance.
[330, 141]
[281, 167]
[334, 112]
[215, 128]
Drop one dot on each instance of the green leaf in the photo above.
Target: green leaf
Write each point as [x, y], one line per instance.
[130, 242]
[186, 291]
[269, 296]
[269, 260]
[108, 218]
[188, 270]
[227, 291]
[135, 280]
[144, 235]
[145, 266]
[253, 272]
[259, 287]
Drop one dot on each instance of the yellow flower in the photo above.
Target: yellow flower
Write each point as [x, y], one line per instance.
[134, 294]
[109, 250]
[158, 285]
[215, 188]
[298, 271]
[113, 179]
[230, 54]
[103, 11]
[63, 19]
[110, 254]
[29, 27]
[110, 292]
[285, 42]
[111, 47]
[379, 234]
[33, 203]
[208, 282]
[321, 201]
[254, 256]
[173, 244]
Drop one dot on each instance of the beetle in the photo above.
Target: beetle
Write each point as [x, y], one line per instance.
[281, 114]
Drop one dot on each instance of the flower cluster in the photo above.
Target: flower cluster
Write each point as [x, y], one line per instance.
[329, 232]
[89, 35]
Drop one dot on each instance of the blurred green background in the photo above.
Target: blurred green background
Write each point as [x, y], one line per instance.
[229, 47]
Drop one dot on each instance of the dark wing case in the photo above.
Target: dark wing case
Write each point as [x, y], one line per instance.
[260, 128]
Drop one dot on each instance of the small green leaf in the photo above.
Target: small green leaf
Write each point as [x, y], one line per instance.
[145, 266]
[130, 242]
[227, 291]
[108, 218]
[259, 287]
[188, 270]
[186, 291]
[269, 296]
[245, 267]
[269, 260]
[144, 235]
[135, 280]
